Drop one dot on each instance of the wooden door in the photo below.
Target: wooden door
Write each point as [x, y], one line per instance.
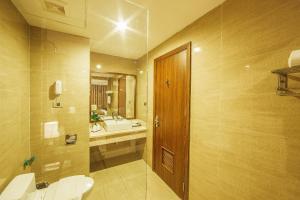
[171, 118]
[122, 97]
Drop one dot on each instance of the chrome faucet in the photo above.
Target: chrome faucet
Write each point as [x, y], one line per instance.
[114, 115]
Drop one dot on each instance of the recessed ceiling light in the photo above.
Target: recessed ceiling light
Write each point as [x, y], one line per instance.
[121, 25]
[98, 66]
[197, 49]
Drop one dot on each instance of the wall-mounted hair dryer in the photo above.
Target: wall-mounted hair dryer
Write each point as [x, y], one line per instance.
[58, 87]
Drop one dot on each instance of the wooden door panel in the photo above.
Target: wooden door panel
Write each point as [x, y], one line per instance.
[172, 94]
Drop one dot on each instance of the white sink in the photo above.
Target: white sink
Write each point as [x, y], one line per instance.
[117, 125]
[106, 118]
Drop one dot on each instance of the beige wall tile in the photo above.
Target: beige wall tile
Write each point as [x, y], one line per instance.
[14, 93]
[59, 56]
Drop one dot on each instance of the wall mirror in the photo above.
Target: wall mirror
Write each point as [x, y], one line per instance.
[113, 95]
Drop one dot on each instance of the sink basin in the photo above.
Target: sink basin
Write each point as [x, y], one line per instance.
[106, 118]
[117, 125]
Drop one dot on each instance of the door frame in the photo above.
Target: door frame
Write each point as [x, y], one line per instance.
[187, 47]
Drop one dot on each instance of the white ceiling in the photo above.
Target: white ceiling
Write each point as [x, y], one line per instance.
[96, 20]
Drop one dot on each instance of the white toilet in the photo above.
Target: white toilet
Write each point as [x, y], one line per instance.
[23, 187]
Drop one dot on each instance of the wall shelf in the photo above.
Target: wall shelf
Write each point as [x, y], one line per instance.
[282, 88]
[286, 71]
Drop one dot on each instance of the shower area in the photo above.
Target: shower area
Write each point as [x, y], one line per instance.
[86, 93]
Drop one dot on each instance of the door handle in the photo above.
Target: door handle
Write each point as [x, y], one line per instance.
[156, 121]
[167, 83]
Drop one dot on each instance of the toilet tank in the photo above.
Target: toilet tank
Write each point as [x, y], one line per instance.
[19, 187]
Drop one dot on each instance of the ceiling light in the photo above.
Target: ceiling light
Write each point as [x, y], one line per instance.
[98, 66]
[197, 49]
[121, 25]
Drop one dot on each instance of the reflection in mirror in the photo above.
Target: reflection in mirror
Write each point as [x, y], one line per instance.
[118, 128]
[113, 95]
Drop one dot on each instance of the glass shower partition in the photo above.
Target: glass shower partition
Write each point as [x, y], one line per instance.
[71, 135]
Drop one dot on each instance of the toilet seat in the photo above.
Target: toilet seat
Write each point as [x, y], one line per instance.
[23, 187]
[69, 188]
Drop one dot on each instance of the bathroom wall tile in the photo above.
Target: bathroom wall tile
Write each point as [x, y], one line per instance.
[59, 56]
[14, 93]
[258, 27]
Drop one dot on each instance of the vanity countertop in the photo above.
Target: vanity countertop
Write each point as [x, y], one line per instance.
[104, 133]
[104, 137]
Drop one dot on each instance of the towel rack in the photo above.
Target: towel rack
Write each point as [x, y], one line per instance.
[282, 88]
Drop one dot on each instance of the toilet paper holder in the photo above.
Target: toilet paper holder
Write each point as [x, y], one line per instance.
[283, 75]
[71, 139]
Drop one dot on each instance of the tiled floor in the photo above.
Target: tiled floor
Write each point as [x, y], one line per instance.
[130, 181]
